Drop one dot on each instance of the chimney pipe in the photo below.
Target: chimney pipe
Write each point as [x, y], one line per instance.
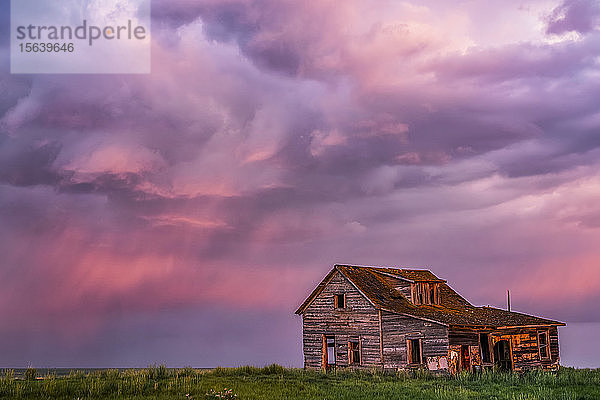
[508, 299]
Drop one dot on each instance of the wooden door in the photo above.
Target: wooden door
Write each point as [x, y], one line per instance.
[465, 358]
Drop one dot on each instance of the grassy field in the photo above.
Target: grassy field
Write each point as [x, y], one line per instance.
[276, 382]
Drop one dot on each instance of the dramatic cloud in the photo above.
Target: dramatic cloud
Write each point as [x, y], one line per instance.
[195, 207]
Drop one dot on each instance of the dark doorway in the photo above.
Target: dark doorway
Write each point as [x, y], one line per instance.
[502, 355]
[465, 359]
[484, 346]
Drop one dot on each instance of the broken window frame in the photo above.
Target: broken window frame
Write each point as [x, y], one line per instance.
[354, 352]
[329, 342]
[544, 350]
[410, 350]
[339, 300]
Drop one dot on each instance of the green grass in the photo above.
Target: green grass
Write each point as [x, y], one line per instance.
[276, 382]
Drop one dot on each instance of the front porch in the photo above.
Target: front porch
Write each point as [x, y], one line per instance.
[503, 349]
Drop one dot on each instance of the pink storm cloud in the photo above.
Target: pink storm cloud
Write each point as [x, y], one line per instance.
[147, 215]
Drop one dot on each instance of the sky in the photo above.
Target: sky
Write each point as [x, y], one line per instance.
[181, 217]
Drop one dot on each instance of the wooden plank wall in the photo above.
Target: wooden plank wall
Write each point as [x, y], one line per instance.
[359, 318]
[525, 350]
[460, 336]
[554, 350]
[398, 328]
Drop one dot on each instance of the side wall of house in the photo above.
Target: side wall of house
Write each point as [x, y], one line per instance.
[397, 329]
[554, 349]
[525, 351]
[358, 320]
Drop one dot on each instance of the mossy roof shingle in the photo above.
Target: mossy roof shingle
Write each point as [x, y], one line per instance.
[454, 310]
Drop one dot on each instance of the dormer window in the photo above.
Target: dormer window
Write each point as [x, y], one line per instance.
[339, 300]
[425, 293]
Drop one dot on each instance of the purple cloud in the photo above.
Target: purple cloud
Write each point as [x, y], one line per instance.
[574, 15]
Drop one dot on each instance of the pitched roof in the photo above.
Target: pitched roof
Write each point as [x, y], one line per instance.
[454, 310]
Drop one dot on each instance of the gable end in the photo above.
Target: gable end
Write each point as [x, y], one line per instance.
[322, 286]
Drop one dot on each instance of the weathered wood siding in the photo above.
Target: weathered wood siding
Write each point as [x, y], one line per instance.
[463, 336]
[554, 350]
[525, 348]
[358, 319]
[524, 345]
[397, 329]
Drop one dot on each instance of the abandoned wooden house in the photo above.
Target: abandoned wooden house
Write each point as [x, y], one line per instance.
[387, 318]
